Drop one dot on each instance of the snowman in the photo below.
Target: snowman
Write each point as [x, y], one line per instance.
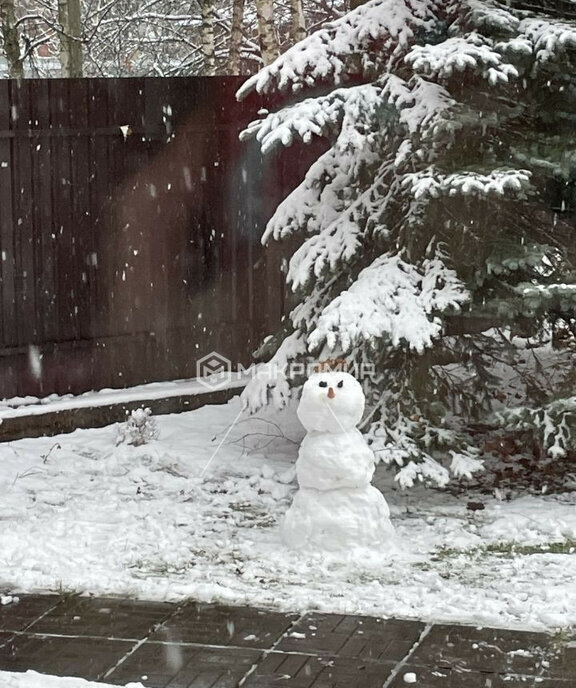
[336, 507]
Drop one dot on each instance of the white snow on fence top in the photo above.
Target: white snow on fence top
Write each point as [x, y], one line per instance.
[32, 406]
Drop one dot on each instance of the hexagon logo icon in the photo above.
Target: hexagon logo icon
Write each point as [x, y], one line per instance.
[213, 370]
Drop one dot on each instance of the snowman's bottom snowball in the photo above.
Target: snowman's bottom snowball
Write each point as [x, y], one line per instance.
[337, 519]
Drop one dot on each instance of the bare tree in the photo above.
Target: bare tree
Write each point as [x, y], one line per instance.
[298, 23]
[11, 38]
[234, 63]
[70, 18]
[208, 40]
[267, 31]
[161, 37]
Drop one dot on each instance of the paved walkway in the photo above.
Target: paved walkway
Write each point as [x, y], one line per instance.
[213, 646]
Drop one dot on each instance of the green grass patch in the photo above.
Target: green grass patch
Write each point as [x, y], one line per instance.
[507, 549]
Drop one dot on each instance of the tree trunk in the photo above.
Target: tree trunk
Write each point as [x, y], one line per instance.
[298, 27]
[70, 18]
[208, 50]
[234, 66]
[11, 39]
[268, 43]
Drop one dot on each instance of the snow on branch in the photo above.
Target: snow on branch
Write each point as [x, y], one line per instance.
[539, 259]
[441, 289]
[385, 27]
[315, 117]
[315, 203]
[536, 297]
[514, 48]
[304, 314]
[428, 184]
[360, 118]
[554, 424]
[393, 443]
[423, 106]
[465, 463]
[549, 37]
[426, 470]
[484, 15]
[460, 54]
[337, 242]
[549, 290]
[394, 299]
[270, 382]
[330, 186]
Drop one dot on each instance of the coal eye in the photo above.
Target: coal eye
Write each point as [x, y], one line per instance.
[323, 384]
[341, 383]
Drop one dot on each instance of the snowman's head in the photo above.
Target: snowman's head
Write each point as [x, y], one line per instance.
[331, 402]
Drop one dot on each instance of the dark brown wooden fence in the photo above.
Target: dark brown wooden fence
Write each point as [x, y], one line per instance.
[130, 220]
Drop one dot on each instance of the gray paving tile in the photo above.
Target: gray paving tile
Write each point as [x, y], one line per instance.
[463, 648]
[164, 665]
[441, 677]
[5, 637]
[307, 671]
[17, 616]
[223, 625]
[293, 671]
[562, 658]
[215, 646]
[352, 636]
[78, 657]
[108, 618]
[499, 651]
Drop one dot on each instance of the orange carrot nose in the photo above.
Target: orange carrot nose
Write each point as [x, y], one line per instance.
[331, 394]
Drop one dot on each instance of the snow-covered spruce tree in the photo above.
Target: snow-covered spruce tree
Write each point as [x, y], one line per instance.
[432, 234]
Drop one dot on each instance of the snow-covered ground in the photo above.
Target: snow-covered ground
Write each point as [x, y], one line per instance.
[31, 679]
[79, 513]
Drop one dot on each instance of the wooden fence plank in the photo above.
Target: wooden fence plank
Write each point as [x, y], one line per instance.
[24, 221]
[43, 215]
[66, 242]
[100, 199]
[130, 253]
[7, 255]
